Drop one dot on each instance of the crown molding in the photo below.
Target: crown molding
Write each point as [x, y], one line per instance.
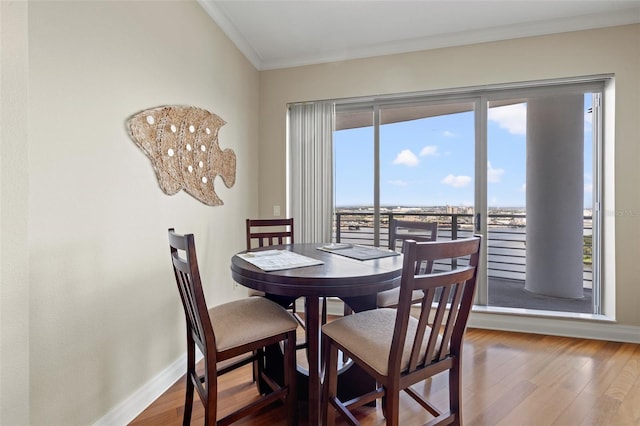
[531, 29]
[232, 32]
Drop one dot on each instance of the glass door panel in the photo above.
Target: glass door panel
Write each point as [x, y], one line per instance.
[353, 148]
[539, 197]
[427, 166]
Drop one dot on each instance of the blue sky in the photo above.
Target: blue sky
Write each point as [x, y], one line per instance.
[430, 161]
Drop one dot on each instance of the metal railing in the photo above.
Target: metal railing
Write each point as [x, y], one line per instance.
[506, 255]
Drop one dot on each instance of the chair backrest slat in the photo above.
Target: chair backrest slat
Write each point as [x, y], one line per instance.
[190, 305]
[436, 326]
[423, 323]
[444, 309]
[268, 237]
[447, 332]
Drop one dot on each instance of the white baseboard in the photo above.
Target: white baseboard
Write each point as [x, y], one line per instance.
[538, 322]
[130, 408]
[597, 328]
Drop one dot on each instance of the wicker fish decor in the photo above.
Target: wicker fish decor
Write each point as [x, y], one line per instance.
[182, 144]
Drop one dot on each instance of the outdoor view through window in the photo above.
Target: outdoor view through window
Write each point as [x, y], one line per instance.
[418, 162]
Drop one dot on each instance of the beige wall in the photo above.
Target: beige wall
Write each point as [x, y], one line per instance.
[14, 256]
[612, 50]
[89, 310]
[103, 315]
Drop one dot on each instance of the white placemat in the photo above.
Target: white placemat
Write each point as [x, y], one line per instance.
[276, 260]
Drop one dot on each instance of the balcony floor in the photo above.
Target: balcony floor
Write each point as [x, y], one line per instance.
[511, 294]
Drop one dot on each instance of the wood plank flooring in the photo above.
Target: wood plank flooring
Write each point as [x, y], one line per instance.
[508, 379]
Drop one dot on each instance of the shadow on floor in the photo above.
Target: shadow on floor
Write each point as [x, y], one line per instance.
[511, 294]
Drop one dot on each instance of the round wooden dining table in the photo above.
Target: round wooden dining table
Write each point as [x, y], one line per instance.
[356, 282]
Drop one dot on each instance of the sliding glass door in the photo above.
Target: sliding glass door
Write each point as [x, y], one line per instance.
[519, 166]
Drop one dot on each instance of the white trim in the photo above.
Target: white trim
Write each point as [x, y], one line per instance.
[597, 327]
[439, 41]
[232, 32]
[434, 41]
[130, 408]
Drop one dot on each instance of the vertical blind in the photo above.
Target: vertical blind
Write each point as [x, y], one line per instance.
[311, 170]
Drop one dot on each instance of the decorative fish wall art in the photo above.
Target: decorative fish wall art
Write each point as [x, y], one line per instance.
[182, 144]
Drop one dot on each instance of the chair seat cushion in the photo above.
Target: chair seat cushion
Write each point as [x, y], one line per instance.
[368, 334]
[389, 298]
[247, 320]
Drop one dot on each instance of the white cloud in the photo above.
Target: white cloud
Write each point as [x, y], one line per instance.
[523, 188]
[399, 183]
[429, 150]
[448, 134]
[494, 175]
[457, 181]
[407, 158]
[510, 117]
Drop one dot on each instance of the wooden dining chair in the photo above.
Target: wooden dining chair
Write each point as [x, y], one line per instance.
[227, 332]
[400, 230]
[399, 350]
[270, 232]
[266, 233]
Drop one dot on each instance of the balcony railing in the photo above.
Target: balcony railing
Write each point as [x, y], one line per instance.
[506, 237]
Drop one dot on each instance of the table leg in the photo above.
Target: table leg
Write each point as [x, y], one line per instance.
[312, 321]
[352, 381]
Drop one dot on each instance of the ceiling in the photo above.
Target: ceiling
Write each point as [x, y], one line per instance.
[284, 33]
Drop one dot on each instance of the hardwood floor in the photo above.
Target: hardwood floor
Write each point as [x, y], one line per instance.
[508, 379]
